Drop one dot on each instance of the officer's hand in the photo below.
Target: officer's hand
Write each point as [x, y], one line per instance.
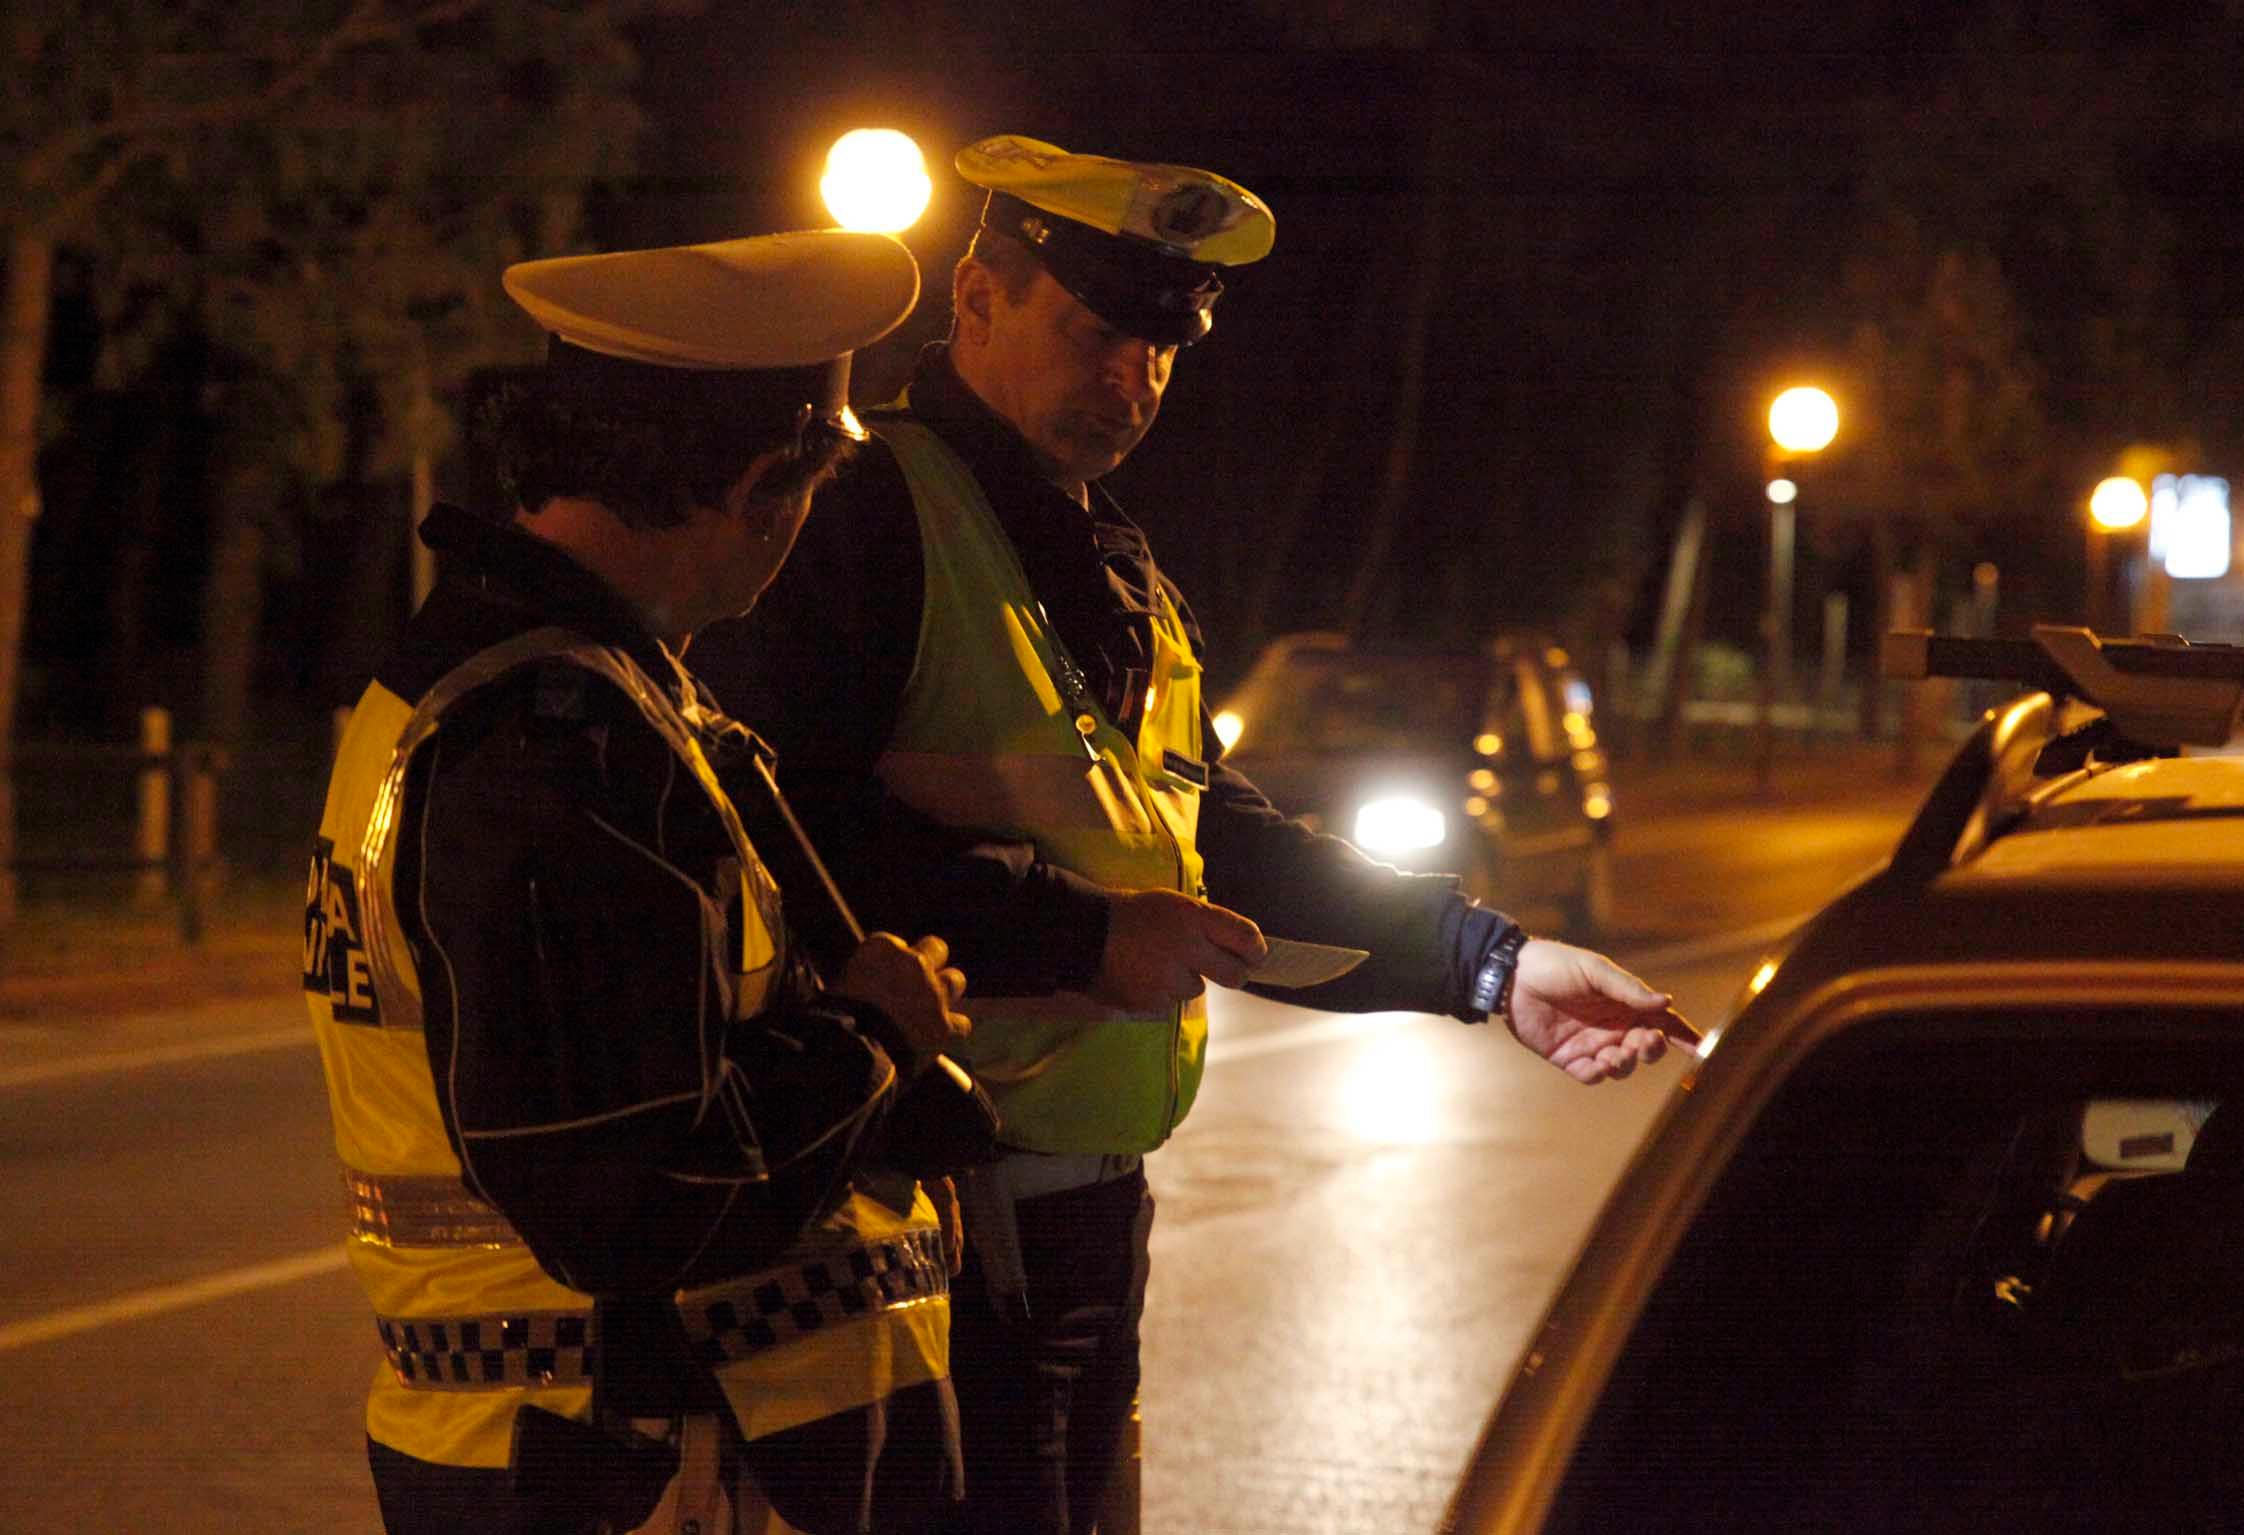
[914, 987]
[943, 1192]
[1163, 947]
[1586, 1015]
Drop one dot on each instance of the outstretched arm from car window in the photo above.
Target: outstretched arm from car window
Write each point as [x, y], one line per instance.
[1587, 1016]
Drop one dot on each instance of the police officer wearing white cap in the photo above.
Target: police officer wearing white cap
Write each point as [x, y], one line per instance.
[991, 719]
[631, 1195]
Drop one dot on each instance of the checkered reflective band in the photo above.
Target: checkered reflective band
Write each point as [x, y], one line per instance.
[408, 1210]
[764, 1310]
[536, 1348]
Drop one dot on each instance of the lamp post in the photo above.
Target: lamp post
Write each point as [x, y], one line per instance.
[1802, 421]
[2116, 506]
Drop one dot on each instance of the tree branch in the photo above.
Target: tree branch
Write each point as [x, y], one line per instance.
[368, 22]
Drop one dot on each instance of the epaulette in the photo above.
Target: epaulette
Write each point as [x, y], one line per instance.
[559, 693]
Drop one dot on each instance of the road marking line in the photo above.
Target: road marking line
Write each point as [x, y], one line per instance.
[1320, 1031]
[1674, 955]
[158, 1055]
[154, 1302]
[142, 1304]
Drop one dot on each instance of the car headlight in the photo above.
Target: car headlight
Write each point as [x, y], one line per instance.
[1400, 825]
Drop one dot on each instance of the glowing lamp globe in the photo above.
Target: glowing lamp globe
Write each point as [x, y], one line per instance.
[876, 180]
[1803, 420]
[2118, 503]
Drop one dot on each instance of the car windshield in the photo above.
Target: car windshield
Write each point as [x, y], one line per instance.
[1948, 1284]
[1342, 701]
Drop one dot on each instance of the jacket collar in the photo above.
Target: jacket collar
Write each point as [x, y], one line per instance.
[508, 568]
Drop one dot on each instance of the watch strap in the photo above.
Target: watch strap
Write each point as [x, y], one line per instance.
[1492, 983]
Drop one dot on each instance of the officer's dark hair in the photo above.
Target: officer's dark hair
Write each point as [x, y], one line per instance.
[1013, 264]
[648, 467]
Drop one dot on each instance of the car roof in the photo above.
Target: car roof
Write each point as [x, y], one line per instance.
[2068, 829]
[2166, 821]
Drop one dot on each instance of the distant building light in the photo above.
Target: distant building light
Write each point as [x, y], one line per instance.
[1783, 492]
[2198, 544]
[2165, 498]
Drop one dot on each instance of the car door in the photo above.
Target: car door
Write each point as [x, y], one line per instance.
[1904, 1274]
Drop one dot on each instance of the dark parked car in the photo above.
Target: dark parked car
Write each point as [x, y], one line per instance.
[1482, 763]
[1945, 1230]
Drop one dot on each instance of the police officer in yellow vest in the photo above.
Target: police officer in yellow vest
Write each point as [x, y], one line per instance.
[643, 1243]
[994, 714]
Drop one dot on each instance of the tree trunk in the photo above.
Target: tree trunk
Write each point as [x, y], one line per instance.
[234, 597]
[1361, 608]
[1873, 697]
[23, 352]
[146, 476]
[1270, 554]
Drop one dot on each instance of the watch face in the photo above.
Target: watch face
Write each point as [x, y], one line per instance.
[1492, 982]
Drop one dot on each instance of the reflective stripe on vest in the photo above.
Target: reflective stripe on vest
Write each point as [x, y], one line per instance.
[986, 740]
[406, 1211]
[726, 1322]
[433, 1258]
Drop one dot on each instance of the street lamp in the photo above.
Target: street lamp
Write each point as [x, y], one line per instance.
[1802, 420]
[875, 180]
[2117, 505]
[2120, 506]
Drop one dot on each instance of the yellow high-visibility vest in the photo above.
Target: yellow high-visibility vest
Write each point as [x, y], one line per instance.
[995, 734]
[472, 1328]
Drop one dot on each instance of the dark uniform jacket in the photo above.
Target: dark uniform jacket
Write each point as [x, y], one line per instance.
[821, 666]
[576, 1001]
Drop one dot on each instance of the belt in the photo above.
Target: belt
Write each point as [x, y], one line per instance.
[745, 1316]
[727, 1321]
[1028, 1174]
[476, 1353]
[419, 1210]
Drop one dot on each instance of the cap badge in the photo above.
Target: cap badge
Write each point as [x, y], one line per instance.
[1188, 213]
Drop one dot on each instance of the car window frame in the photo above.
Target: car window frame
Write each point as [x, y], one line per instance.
[1531, 1436]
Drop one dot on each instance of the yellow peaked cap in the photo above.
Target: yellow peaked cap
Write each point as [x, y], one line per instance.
[1191, 213]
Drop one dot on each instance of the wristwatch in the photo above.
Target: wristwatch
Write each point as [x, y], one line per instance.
[1492, 983]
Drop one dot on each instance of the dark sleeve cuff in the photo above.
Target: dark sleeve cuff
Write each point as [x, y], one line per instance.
[1050, 936]
[876, 1026]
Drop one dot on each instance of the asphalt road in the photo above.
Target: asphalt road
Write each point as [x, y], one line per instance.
[1358, 1228]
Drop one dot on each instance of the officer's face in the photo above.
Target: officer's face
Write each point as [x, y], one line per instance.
[733, 551]
[1079, 391]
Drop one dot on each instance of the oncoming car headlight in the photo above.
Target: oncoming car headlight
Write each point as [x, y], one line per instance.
[1400, 824]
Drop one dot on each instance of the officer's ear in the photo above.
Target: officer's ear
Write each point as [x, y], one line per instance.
[974, 296]
[746, 495]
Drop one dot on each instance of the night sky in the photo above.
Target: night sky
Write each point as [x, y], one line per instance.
[1599, 238]
[1643, 219]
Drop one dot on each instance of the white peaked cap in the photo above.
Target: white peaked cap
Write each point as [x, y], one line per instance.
[765, 302]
